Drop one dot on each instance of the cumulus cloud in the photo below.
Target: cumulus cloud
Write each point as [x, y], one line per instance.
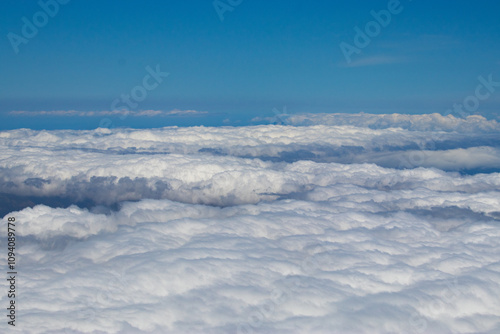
[334, 259]
[281, 229]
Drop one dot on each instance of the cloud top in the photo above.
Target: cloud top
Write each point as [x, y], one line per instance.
[423, 122]
[363, 227]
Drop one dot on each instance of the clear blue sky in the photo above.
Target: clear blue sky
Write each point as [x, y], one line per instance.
[263, 55]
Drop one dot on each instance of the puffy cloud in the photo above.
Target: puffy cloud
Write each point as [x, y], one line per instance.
[223, 166]
[255, 229]
[347, 257]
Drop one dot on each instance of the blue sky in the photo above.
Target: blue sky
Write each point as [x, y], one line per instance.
[262, 55]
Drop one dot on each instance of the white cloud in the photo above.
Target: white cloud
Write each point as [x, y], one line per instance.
[474, 158]
[215, 230]
[299, 265]
[424, 122]
[107, 113]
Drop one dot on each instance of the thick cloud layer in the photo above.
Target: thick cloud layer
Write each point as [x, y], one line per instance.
[207, 165]
[242, 230]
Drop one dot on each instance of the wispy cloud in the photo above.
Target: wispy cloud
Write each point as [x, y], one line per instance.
[374, 61]
[422, 43]
[103, 113]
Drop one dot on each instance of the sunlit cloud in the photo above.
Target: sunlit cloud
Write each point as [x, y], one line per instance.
[202, 229]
